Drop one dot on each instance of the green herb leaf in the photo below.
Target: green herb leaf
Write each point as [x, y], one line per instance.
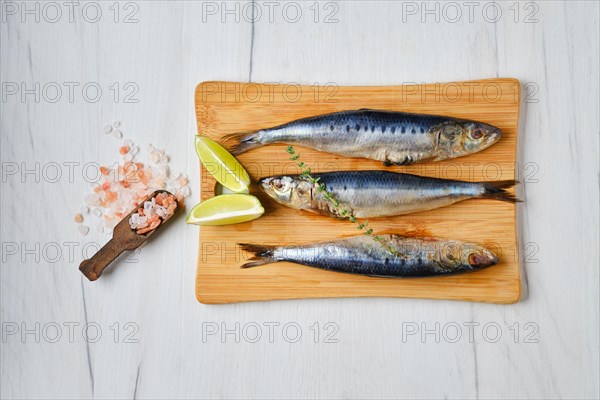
[321, 187]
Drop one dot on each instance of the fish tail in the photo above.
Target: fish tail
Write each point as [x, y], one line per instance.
[262, 254]
[238, 143]
[496, 190]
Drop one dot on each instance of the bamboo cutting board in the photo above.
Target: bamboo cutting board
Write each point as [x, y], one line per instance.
[229, 107]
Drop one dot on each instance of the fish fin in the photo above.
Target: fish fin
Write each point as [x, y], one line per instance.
[495, 190]
[262, 254]
[238, 143]
[408, 160]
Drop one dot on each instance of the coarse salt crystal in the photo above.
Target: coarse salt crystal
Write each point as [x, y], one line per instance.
[84, 209]
[83, 229]
[117, 133]
[92, 199]
[107, 129]
[123, 187]
[149, 211]
[161, 212]
[154, 213]
[161, 170]
[78, 218]
[117, 124]
[185, 191]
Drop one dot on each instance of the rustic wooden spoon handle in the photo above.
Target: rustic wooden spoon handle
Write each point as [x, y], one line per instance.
[93, 267]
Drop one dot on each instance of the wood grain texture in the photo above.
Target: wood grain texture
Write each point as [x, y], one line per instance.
[228, 107]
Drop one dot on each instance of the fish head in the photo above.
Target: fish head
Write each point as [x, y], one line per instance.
[475, 256]
[467, 256]
[460, 138]
[287, 190]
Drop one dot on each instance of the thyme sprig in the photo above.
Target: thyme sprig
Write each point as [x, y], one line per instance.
[343, 212]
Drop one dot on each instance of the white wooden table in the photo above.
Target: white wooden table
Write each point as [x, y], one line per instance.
[147, 335]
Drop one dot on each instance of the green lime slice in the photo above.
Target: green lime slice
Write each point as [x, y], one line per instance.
[226, 209]
[221, 164]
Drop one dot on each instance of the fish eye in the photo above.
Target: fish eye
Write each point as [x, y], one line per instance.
[472, 259]
[278, 184]
[477, 134]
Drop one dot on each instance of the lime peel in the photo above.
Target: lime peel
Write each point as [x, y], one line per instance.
[222, 165]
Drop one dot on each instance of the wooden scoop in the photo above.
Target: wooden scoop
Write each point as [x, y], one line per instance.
[124, 238]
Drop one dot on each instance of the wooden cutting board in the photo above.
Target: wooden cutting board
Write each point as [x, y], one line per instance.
[229, 107]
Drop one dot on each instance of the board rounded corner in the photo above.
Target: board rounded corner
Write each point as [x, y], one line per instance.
[201, 298]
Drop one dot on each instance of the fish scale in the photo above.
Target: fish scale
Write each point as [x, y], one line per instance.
[392, 137]
[367, 194]
[362, 255]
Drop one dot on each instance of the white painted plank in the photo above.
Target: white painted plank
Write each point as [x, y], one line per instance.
[166, 54]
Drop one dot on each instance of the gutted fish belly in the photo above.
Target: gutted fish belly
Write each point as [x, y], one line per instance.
[365, 194]
[392, 137]
[362, 255]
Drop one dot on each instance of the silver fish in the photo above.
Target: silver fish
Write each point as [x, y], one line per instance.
[366, 194]
[392, 137]
[410, 256]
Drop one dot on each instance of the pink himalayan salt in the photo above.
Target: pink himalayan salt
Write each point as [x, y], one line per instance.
[124, 187]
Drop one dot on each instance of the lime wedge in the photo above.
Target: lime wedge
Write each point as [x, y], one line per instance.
[226, 209]
[222, 165]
